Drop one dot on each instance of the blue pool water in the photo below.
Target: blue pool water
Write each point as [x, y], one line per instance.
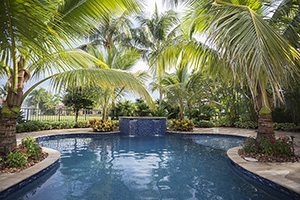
[129, 168]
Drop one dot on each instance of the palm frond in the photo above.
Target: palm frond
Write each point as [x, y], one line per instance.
[64, 61]
[105, 77]
[248, 44]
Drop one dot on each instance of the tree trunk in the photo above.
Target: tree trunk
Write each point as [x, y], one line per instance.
[103, 113]
[76, 114]
[160, 96]
[11, 108]
[265, 124]
[7, 134]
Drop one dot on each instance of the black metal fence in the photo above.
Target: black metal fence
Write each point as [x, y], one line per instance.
[60, 114]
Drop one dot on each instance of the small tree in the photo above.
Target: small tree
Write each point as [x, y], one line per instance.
[79, 98]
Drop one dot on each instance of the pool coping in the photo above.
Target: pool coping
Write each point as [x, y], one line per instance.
[265, 170]
[273, 175]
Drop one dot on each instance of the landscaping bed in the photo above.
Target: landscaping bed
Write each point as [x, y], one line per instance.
[5, 169]
[269, 158]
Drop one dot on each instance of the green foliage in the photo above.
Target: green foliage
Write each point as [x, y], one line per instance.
[160, 112]
[203, 123]
[101, 126]
[283, 126]
[82, 124]
[269, 145]
[182, 125]
[141, 108]
[43, 100]
[115, 122]
[80, 98]
[203, 112]
[17, 157]
[246, 124]
[43, 125]
[124, 109]
[32, 148]
[223, 121]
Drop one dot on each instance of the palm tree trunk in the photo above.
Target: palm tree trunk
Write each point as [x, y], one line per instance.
[7, 134]
[265, 123]
[160, 97]
[10, 110]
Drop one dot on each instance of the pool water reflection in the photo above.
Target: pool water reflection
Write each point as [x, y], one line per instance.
[166, 167]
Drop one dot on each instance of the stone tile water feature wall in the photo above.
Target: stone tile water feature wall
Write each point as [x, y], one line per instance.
[143, 126]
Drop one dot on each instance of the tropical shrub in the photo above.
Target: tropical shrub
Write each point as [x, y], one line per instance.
[182, 125]
[32, 148]
[115, 122]
[203, 124]
[246, 124]
[17, 157]
[82, 124]
[101, 126]
[283, 126]
[269, 145]
[223, 121]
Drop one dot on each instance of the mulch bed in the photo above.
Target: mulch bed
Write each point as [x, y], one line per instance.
[267, 158]
[5, 169]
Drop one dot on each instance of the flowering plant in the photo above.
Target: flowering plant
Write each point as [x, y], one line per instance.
[17, 157]
[268, 144]
[32, 147]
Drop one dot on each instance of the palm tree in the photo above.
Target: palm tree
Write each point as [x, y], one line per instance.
[182, 88]
[36, 97]
[151, 38]
[244, 43]
[32, 44]
[118, 59]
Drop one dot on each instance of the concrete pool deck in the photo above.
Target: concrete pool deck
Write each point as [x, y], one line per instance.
[284, 174]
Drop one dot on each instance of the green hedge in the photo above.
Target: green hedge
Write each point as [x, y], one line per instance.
[203, 123]
[44, 125]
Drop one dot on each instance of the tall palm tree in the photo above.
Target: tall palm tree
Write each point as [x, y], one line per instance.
[32, 44]
[244, 43]
[151, 37]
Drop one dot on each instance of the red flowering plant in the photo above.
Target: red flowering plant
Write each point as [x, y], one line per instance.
[17, 157]
[32, 147]
[269, 145]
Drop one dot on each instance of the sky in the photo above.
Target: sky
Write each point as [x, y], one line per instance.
[140, 65]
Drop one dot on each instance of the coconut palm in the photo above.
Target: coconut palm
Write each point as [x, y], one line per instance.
[183, 89]
[241, 41]
[286, 20]
[151, 38]
[37, 96]
[32, 44]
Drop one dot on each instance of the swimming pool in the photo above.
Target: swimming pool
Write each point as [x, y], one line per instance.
[164, 167]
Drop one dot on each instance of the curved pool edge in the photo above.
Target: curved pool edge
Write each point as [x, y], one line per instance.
[235, 132]
[11, 182]
[274, 175]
